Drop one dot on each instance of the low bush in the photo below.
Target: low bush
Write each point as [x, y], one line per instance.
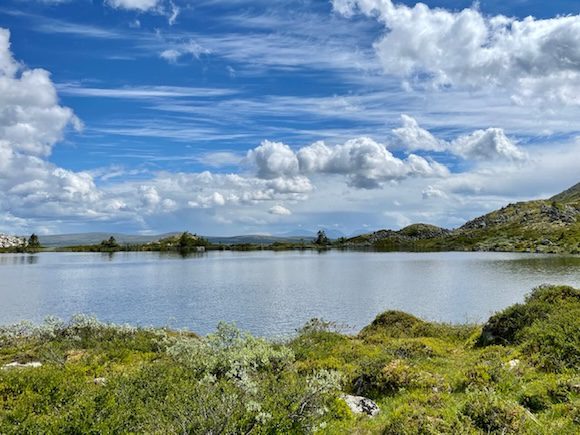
[397, 324]
[508, 326]
[492, 414]
[554, 343]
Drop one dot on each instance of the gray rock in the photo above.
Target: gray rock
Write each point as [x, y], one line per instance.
[361, 405]
[100, 381]
[17, 365]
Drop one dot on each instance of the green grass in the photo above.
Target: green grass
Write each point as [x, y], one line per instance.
[518, 373]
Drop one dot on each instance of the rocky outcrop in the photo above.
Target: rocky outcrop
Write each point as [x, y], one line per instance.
[11, 241]
[566, 214]
[408, 234]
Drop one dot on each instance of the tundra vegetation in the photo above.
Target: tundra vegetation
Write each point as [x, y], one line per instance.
[517, 373]
[544, 226]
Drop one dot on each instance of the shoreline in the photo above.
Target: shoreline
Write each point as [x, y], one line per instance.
[399, 374]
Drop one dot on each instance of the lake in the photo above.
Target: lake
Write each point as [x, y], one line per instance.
[271, 293]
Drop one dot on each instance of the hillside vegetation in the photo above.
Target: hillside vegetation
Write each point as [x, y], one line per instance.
[518, 374]
[550, 226]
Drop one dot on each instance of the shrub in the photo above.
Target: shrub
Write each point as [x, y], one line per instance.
[535, 397]
[554, 344]
[508, 326]
[397, 324]
[426, 414]
[231, 353]
[493, 414]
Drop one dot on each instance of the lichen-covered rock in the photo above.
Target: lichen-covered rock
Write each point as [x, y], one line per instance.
[17, 365]
[100, 381]
[361, 405]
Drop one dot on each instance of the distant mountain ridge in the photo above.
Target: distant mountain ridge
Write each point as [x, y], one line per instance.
[551, 226]
[63, 240]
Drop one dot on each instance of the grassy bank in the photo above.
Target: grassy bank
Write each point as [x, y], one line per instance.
[518, 373]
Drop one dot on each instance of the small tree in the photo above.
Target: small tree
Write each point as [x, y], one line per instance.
[33, 242]
[321, 238]
[110, 244]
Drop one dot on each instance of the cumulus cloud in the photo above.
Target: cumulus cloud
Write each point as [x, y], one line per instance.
[279, 210]
[364, 162]
[274, 159]
[537, 59]
[31, 120]
[486, 145]
[490, 144]
[414, 137]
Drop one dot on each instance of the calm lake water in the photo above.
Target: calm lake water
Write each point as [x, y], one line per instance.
[271, 293]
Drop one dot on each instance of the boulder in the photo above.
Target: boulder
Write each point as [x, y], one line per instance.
[361, 405]
[100, 381]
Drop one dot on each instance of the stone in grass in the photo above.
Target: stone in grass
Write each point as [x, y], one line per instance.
[100, 381]
[361, 405]
[17, 365]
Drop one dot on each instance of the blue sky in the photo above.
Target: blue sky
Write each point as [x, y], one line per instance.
[232, 116]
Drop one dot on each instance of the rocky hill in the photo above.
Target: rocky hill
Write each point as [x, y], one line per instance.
[551, 226]
[570, 195]
[7, 242]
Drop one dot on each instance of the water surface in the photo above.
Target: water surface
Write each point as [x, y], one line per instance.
[271, 293]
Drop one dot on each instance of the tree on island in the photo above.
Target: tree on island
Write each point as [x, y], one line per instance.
[110, 244]
[321, 239]
[188, 241]
[33, 242]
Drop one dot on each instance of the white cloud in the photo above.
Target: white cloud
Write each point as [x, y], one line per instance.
[218, 159]
[414, 137]
[486, 145]
[179, 50]
[139, 5]
[173, 13]
[31, 121]
[536, 59]
[489, 144]
[279, 210]
[273, 159]
[365, 163]
[432, 192]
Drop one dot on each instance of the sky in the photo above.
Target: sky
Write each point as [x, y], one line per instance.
[227, 117]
